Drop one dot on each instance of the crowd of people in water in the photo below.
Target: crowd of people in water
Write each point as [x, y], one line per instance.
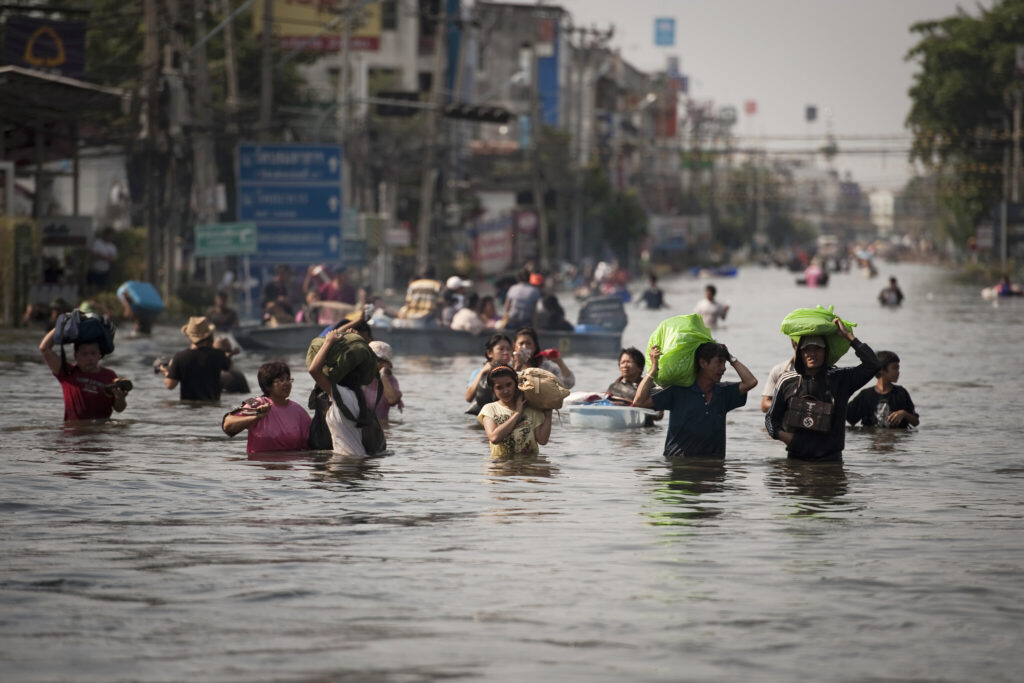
[806, 399]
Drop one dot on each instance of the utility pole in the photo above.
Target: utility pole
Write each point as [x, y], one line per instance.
[231, 70]
[152, 78]
[429, 180]
[537, 181]
[205, 178]
[588, 42]
[267, 70]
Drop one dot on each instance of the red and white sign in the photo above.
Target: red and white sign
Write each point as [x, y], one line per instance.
[492, 242]
[750, 107]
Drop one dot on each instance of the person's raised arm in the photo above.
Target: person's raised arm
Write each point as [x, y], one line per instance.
[747, 379]
[316, 368]
[475, 383]
[50, 356]
[869, 365]
[643, 392]
[542, 432]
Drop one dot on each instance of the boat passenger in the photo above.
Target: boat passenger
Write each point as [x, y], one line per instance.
[422, 302]
[696, 426]
[220, 315]
[527, 353]
[623, 390]
[813, 380]
[521, 300]
[513, 428]
[455, 297]
[551, 315]
[346, 437]
[274, 422]
[338, 289]
[488, 311]
[275, 301]
[886, 404]
[467, 318]
[386, 382]
[497, 351]
[90, 392]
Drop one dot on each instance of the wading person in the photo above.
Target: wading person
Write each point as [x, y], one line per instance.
[346, 436]
[198, 368]
[696, 423]
[497, 351]
[513, 428]
[623, 390]
[808, 409]
[275, 422]
[886, 404]
[91, 392]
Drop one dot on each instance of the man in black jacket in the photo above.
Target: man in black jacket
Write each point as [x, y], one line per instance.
[814, 379]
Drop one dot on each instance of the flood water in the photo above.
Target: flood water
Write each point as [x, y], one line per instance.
[151, 548]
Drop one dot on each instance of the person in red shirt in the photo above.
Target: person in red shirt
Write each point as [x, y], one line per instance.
[88, 394]
[338, 289]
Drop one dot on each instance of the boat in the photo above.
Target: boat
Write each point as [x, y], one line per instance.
[598, 333]
[433, 341]
[714, 271]
[603, 415]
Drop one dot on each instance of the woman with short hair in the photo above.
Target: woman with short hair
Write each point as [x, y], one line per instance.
[275, 422]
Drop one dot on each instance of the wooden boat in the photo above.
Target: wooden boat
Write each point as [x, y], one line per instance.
[435, 341]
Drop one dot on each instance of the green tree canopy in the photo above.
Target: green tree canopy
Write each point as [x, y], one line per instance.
[962, 103]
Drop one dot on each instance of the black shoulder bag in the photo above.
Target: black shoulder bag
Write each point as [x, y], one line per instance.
[809, 413]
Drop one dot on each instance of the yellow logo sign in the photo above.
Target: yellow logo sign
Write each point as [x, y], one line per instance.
[31, 58]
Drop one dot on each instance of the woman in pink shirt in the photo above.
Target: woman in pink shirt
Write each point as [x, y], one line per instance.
[275, 422]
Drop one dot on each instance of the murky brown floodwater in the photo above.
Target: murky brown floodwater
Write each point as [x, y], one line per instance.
[150, 548]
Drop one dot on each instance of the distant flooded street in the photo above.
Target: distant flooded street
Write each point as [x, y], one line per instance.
[151, 548]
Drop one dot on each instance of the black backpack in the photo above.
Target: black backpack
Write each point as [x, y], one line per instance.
[78, 327]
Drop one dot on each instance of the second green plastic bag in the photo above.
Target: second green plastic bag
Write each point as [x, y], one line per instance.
[808, 321]
[678, 338]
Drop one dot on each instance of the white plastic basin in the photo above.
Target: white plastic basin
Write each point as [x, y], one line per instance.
[607, 417]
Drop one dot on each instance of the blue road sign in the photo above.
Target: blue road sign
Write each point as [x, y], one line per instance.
[263, 202]
[664, 31]
[293, 193]
[289, 163]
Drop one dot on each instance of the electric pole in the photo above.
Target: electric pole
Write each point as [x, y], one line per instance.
[267, 69]
[151, 52]
[429, 180]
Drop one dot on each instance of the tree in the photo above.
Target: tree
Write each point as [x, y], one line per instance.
[961, 107]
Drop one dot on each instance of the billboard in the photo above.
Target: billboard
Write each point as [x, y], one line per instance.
[300, 24]
[56, 47]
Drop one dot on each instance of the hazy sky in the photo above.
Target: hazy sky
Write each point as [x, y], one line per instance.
[843, 55]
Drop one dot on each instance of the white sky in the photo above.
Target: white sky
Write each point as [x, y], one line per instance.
[843, 55]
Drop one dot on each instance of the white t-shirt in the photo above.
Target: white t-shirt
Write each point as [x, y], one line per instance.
[711, 311]
[467, 320]
[774, 375]
[347, 438]
[104, 253]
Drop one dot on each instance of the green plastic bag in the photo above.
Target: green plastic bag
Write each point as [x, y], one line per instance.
[678, 338]
[350, 355]
[807, 321]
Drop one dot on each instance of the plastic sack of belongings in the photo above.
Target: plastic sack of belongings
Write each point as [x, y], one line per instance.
[818, 321]
[678, 338]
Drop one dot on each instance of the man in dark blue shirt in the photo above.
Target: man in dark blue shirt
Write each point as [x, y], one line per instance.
[696, 425]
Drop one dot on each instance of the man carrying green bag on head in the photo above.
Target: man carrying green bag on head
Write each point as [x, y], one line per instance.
[694, 394]
[808, 410]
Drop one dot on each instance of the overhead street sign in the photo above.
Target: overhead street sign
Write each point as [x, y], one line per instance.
[289, 163]
[289, 203]
[293, 193]
[226, 239]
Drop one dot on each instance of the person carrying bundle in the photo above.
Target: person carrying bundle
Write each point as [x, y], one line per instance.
[808, 410]
[694, 393]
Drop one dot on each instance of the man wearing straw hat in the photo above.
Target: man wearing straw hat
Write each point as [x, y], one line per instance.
[198, 368]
